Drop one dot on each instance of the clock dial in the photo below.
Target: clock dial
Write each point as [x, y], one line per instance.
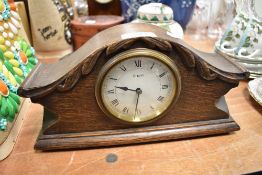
[138, 88]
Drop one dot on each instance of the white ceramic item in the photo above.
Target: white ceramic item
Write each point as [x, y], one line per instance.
[255, 89]
[160, 15]
[242, 40]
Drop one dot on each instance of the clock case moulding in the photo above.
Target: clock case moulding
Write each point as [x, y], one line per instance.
[73, 119]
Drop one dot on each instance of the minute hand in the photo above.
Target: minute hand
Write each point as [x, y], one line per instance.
[138, 92]
[125, 89]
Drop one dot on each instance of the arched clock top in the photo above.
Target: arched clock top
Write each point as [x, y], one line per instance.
[64, 74]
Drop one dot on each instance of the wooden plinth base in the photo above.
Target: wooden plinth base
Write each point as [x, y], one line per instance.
[135, 135]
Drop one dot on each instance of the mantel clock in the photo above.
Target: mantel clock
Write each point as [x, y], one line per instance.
[132, 83]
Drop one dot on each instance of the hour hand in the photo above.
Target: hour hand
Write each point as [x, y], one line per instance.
[125, 88]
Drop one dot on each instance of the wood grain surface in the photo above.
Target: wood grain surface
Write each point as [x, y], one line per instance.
[235, 153]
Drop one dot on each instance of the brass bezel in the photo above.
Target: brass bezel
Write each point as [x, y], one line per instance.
[134, 53]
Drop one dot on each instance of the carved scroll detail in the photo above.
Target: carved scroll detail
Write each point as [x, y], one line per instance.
[70, 80]
[193, 61]
[190, 59]
[187, 57]
[204, 71]
[86, 66]
[90, 62]
[120, 45]
[160, 44]
[151, 42]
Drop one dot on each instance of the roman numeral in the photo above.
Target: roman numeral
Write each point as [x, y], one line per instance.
[111, 91]
[115, 102]
[160, 98]
[125, 110]
[164, 86]
[163, 74]
[113, 79]
[123, 68]
[152, 66]
[138, 63]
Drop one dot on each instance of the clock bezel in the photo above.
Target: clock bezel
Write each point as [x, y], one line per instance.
[130, 54]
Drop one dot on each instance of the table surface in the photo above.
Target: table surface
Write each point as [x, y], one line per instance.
[236, 153]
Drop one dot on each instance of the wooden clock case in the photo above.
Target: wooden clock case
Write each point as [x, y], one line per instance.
[73, 119]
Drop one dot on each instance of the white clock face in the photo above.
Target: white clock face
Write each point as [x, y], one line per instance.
[138, 89]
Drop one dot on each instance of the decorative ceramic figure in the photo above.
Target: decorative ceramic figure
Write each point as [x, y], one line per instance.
[17, 59]
[182, 9]
[50, 28]
[160, 15]
[242, 40]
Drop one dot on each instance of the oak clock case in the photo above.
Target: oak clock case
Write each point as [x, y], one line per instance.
[138, 86]
[76, 116]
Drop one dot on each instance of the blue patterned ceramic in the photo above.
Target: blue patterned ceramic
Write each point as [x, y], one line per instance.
[182, 9]
[130, 7]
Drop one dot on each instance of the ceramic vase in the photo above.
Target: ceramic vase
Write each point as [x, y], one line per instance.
[50, 28]
[182, 9]
[160, 15]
